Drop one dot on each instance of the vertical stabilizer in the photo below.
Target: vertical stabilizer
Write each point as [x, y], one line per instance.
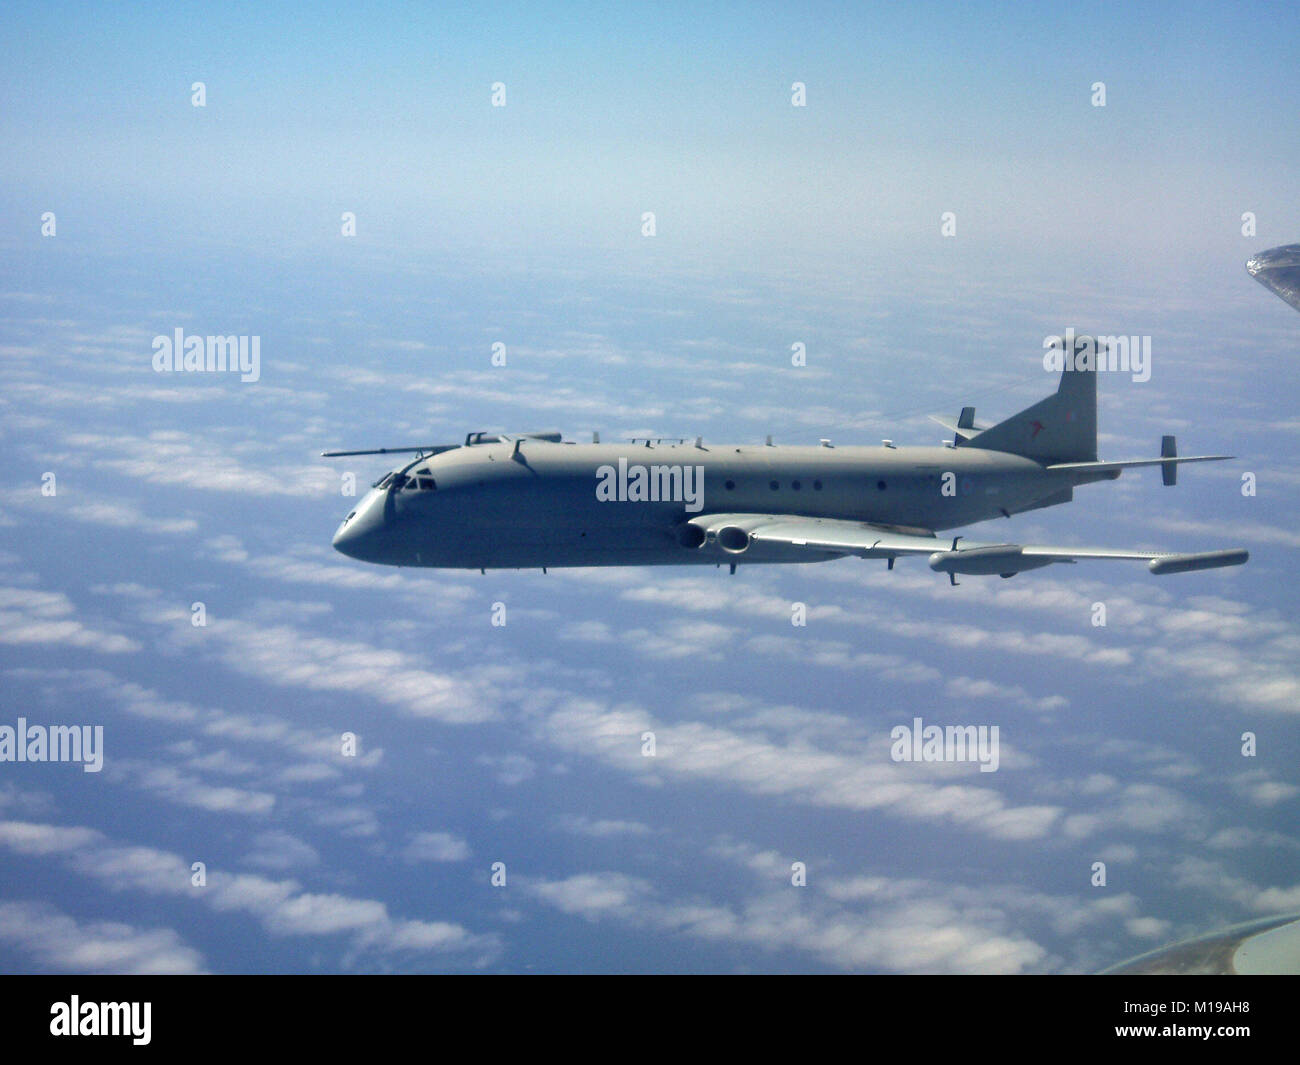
[1060, 428]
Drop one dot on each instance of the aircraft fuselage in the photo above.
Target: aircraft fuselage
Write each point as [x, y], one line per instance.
[541, 503]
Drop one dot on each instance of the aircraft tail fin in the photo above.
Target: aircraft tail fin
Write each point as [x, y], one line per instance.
[1060, 428]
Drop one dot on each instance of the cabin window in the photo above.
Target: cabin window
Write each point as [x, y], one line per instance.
[817, 486]
[731, 486]
[795, 485]
[880, 485]
[775, 485]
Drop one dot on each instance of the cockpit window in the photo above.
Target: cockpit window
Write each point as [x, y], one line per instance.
[399, 482]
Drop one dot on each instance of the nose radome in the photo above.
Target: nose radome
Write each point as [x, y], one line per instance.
[356, 536]
[346, 536]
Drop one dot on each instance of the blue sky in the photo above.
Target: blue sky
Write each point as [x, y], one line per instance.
[521, 744]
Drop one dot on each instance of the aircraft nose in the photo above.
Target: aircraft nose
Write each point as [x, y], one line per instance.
[347, 538]
[359, 532]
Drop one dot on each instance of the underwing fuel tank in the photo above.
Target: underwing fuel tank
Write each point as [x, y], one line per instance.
[985, 560]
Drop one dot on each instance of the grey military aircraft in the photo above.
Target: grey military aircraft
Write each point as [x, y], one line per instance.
[533, 500]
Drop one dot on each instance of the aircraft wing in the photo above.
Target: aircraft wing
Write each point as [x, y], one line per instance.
[737, 533]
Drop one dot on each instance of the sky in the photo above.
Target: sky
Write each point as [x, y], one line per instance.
[516, 749]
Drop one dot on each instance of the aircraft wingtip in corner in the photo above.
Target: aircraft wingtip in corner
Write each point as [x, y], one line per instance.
[1269, 946]
[1278, 270]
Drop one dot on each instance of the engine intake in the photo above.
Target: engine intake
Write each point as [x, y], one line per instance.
[733, 539]
[689, 535]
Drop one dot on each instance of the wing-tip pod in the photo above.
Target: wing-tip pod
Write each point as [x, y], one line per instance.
[1203, 560]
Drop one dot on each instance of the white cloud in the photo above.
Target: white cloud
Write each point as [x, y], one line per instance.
[278, 850]
[69, 503]
[281, 906]
[284, 655]
[169, 457]
[601, 828]
[510, 769]
[30, 616]
[177, 787]
[922, 936]
[60, 943]
[436, 847]
[33, 838]
[694, 750]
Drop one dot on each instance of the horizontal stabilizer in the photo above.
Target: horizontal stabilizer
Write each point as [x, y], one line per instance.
[1126, 464]
[962, 432]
